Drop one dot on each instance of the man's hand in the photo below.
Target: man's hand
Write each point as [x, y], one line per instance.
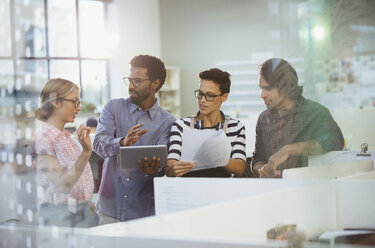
[149, 168]
[269, 172]
[178, 168]
[272, 168]
[133, 135]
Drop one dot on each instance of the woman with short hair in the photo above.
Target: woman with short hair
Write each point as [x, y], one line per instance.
[214, 88]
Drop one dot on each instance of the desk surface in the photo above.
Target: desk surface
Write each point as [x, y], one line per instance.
[336, 157]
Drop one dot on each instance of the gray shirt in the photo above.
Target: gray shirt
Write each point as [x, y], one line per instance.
[128, 194]
[308, 120]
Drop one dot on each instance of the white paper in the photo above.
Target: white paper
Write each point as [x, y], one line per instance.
[205, 148]
[176, 194]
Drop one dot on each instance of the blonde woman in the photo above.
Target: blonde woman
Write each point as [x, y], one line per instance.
[64, 177]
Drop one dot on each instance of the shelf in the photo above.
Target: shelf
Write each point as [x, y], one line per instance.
[168, 89]
[169, 95]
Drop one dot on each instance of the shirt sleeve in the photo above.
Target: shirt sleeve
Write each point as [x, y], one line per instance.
[175, 141]
[259, 152]
[239, 145]
[326, 132]
[105, 143]
[43, 145]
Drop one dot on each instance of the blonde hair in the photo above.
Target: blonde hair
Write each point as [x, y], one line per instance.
[54, 90]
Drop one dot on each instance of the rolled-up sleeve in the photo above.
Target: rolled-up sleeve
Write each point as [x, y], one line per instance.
[105, 143]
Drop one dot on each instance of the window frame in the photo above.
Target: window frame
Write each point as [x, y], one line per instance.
[14, 57]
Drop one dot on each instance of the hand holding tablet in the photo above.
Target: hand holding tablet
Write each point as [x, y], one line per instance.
[149, 168]
[131, 155]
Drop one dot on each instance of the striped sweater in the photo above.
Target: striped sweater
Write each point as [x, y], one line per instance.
[235, 133]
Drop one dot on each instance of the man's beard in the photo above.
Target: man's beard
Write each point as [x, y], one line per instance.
[139, 97]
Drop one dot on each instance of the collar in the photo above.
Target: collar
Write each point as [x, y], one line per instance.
[49, 127]
[151, 111]
[273, 114]
[198, 123]
[221, 112]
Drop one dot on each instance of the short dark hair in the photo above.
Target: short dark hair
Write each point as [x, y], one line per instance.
[281, 75]
[155, 67]
[222, 78]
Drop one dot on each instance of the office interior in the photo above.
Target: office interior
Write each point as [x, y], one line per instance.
[331, 43]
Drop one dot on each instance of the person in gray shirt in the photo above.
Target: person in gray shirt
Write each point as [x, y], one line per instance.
[127, 194]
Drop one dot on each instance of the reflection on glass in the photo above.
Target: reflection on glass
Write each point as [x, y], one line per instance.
[30, 29]
[67, 69]
[94, 82]
[92, 29]
[17, 181]
[62, 28]
[6, 76]
[31, 77]
[5, 41]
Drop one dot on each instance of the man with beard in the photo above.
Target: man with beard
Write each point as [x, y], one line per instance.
[292, 127]
[127, 194]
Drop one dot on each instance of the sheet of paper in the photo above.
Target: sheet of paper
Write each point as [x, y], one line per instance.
[176, 194]
[205, 148]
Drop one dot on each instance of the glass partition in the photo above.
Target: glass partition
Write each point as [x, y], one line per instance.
[5, 36]
[39, 40]
[68, 69]
[94, 77]
[62, 29]
[30, 28]
[93, 41]
[331, 44]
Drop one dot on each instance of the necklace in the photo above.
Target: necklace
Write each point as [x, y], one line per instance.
[214, 124]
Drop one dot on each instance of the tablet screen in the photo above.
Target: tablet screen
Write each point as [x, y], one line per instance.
[129, 155]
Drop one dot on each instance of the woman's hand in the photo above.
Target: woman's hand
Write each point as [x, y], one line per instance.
[83, 135]
[178, 168]
[92, 208]
[133, 135]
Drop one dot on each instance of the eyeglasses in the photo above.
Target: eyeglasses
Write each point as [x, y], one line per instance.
[209, 96]
[135, 81]
[76, 102]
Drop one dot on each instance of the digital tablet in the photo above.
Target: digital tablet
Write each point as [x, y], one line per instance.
[129, 155]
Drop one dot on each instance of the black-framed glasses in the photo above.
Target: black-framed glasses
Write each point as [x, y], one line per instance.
[209, 96]
[135, 81]
[76, 102]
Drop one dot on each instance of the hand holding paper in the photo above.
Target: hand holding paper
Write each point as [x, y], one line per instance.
[205, 148]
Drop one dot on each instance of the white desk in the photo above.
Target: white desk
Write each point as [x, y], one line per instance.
[336, 157]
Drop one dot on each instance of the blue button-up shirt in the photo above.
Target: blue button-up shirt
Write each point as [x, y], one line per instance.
[128, 194]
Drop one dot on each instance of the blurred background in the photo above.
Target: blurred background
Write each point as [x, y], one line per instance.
[331, 43]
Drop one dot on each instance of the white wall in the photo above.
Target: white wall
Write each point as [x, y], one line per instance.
[357, 126]
[139, 33]
[195, 35]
